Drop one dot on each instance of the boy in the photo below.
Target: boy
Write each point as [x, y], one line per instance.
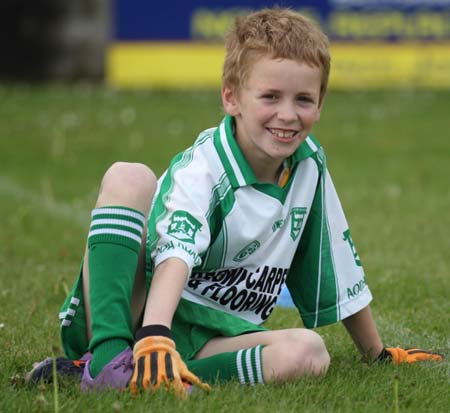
[248, 207]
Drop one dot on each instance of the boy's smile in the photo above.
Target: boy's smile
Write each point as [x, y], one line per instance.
[282, 134]
[274, 112]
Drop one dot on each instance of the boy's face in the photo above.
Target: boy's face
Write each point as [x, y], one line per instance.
[275, 110]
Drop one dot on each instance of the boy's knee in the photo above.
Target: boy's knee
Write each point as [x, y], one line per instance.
[309, 348]
[300, 353]
[128, 184]
[129, 174]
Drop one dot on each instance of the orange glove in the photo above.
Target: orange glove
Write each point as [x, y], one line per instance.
[410, 355]
[157, 362]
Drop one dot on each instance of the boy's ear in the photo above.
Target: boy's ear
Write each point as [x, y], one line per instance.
[230, 101]
[318, 113]
[320, 110]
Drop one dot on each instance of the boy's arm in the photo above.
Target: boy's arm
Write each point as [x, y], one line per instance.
[157, 363]
[364, 333]
[165, 292]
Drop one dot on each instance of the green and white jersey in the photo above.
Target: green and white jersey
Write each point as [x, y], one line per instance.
[242, 239]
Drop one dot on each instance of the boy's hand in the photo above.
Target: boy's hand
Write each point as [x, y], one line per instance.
[157, 362]
[410, 355]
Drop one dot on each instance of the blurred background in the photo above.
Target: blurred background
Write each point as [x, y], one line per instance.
[136, 43]
[85, 83]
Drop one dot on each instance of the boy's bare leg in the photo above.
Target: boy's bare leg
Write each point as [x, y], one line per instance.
[130, 185]
[287, 355]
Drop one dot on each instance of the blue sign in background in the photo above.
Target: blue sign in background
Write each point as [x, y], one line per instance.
[170, 20]
[342, 19]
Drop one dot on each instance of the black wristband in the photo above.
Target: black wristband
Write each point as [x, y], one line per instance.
[153, 330]
[383, 356]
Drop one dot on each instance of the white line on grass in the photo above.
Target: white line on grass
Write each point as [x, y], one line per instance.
[57, 209]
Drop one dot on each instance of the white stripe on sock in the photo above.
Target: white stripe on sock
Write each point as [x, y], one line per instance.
[66, 323]
[118, 211]
[116, 232]
[248, 362]
[121, 222]
[239, 367]
[258, 364]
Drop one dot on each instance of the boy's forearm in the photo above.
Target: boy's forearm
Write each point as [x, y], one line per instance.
[364, 333]
[165, 292]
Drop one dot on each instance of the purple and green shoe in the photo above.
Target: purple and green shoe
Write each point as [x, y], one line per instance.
[115, 375]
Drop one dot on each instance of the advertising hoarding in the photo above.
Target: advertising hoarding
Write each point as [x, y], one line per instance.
[374, 43]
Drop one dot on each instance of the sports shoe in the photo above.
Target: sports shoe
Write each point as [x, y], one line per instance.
[115, 375]
[43, 371]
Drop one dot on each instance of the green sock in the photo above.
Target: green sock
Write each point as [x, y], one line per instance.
[244, 365]
[114, 244]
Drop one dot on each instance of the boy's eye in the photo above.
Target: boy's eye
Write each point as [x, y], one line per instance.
[307, 99]
[269, 96]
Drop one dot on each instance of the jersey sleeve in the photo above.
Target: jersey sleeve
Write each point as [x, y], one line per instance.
[177, 225]
[326, 279]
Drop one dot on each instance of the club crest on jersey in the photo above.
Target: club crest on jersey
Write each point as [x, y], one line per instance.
[183, 226]
[297, 217]
[246, 251]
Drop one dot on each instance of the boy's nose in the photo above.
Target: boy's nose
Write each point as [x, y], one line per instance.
[287, 113]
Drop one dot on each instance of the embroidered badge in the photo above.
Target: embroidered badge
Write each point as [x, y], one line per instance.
[183, 226]
[297, 217]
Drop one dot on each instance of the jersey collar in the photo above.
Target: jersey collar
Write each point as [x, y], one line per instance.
[234, 162]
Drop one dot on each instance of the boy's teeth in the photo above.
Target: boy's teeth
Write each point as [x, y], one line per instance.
[282, 134]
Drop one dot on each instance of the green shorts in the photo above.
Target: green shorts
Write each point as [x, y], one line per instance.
[193, 325]
[72, 317]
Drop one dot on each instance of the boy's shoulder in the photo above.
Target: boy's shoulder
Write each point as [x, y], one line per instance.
[203, 140]
[200, 161]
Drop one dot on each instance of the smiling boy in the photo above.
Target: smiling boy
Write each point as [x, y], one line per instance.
[274, 112]
[248, 207]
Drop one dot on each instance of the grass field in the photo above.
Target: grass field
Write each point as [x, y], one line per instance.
[389, 155]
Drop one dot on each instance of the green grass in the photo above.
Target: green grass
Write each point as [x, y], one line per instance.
[389, 155]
